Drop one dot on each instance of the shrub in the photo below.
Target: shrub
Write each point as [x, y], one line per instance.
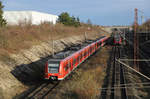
[2, 20]
[65, 19]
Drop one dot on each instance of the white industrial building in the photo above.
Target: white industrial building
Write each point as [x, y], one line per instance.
[35, 18]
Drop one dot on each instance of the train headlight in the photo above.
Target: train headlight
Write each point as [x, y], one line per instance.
[53, 77]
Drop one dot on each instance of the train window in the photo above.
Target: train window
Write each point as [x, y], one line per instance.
[74, 61]
[53, 66]
[100, 43]
[80, 56]
[83, 54]
[65, 67]
[90, 49]
[86, 53]
[77, 58]
[69, 64]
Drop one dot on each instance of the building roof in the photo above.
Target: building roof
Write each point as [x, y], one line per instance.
[15, 17]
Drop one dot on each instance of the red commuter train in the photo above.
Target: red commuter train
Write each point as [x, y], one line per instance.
[117, 39]
[60, 67]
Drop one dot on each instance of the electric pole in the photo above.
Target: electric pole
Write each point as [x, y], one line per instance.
[136, 45]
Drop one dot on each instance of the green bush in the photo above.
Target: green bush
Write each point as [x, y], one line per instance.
[2, 20]
[65, 19]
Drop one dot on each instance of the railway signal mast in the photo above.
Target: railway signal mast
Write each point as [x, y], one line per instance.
[136, 45]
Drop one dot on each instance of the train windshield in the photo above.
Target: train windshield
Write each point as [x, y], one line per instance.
[53, 66]
[117, 37]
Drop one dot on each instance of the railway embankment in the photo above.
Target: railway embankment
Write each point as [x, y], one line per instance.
[20, 69]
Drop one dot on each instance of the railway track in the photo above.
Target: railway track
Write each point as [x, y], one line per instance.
[115, 88]
[40, 91]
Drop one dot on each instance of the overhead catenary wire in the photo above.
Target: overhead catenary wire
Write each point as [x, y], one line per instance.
[118, 60]
[143, 16]
[140, 51]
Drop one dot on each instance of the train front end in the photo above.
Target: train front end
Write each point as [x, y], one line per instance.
[52, 69]
[117, 40]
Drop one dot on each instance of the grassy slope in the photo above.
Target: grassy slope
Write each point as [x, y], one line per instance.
[15, 38]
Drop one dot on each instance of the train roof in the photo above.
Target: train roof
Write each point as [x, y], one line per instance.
[72, 50]
[53, 59]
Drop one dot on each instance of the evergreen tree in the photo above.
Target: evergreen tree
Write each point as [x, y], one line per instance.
[65, 19]
[2, 20]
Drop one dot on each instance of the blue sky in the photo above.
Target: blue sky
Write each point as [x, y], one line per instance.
[101, 12]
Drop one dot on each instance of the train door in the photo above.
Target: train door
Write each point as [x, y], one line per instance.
[74, 62]
[66, 67]
[69, 65]
[80, 57]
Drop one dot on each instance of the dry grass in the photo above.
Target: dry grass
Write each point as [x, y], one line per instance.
[14, 38]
